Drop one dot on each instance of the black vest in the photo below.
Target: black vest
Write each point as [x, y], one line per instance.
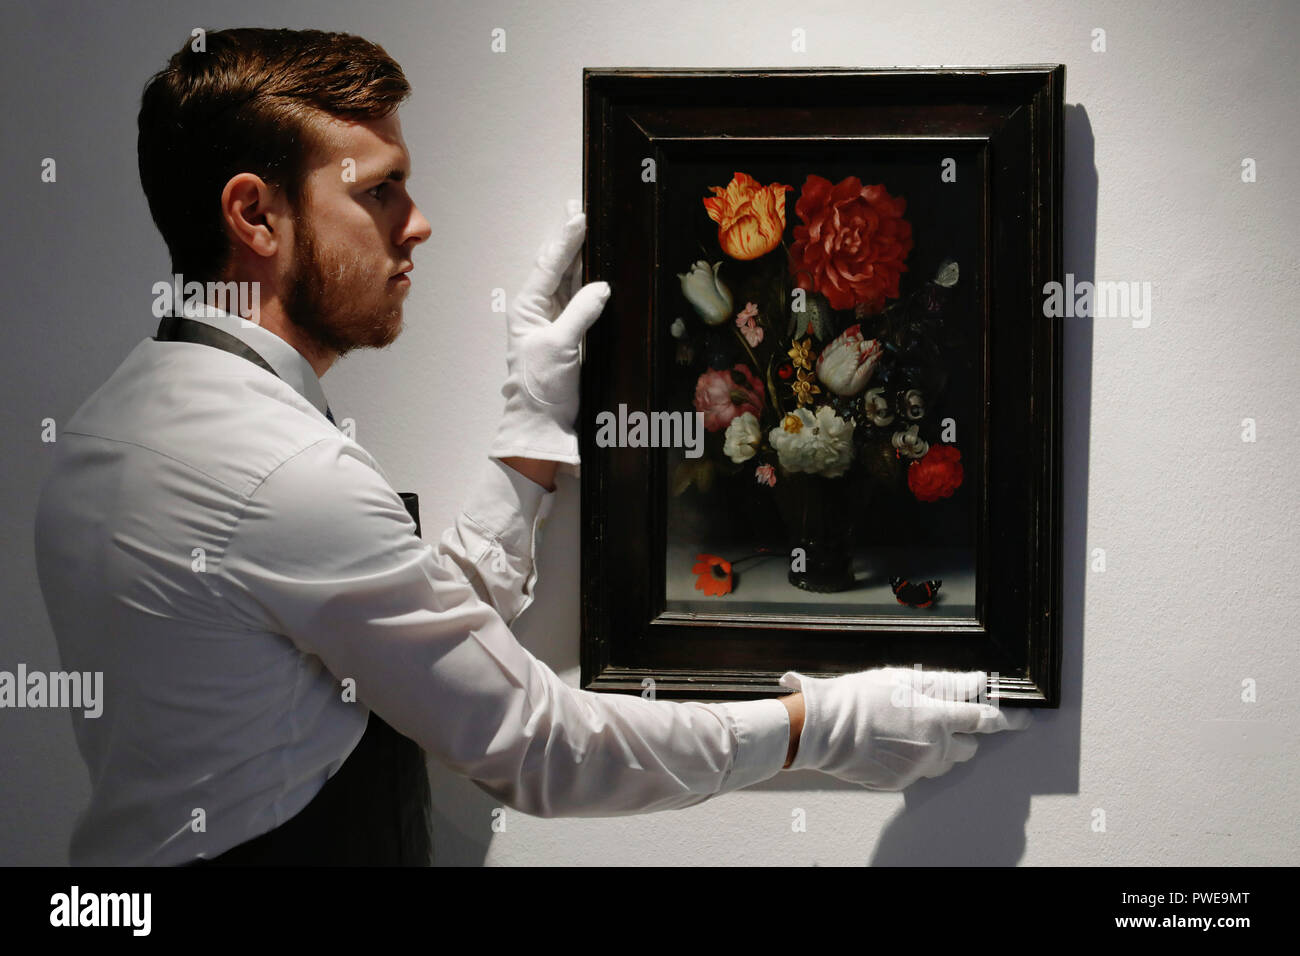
[376, 808]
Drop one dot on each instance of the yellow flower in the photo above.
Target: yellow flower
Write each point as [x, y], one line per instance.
[792, 423]
[801, 354]
[804, 388]
[750, 216]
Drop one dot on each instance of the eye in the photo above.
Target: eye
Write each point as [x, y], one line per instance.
[377, 190]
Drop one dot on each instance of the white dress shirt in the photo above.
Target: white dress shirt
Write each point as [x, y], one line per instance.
[232, 562]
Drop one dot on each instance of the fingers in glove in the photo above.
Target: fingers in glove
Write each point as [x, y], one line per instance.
[791, 679]
[971, 718]
[571, 281]
[963, 747]
[1017, 718]
[936, 770]
[569, 284]
[941, 685]
[581, 312]
[554, 259]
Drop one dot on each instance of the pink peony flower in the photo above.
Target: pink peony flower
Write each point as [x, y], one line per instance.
[765, 475]
[721, 398]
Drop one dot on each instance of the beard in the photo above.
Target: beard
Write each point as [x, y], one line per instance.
[334, 304]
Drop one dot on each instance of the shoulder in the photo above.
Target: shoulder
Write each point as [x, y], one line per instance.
[329, 503]
[210, 411]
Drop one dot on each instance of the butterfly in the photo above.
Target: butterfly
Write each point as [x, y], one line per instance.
[915, 595]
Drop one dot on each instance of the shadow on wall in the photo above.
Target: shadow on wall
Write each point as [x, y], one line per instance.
[975, 814]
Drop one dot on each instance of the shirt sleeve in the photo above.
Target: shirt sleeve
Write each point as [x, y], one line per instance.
[326, 554]
[494, 538]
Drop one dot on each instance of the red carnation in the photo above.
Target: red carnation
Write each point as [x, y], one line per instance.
[937, 474]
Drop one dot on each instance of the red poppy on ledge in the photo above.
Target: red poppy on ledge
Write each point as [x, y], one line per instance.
[714, 574]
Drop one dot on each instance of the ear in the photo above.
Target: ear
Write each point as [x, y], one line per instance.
[255, 215]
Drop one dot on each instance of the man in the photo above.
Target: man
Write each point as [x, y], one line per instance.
[270, 626]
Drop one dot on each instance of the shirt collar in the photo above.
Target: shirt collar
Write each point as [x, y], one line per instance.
[288, 362]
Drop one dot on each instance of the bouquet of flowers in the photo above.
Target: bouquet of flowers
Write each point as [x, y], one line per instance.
[819, 369]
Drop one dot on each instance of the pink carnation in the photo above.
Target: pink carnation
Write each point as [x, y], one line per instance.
[745, 320]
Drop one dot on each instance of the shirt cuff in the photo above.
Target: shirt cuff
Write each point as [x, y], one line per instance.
[762, 732]
[509, 506]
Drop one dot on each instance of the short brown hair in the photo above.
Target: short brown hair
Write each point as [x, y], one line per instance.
[251, 101]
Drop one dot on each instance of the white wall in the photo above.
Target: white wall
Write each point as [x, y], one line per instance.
[1199, 592]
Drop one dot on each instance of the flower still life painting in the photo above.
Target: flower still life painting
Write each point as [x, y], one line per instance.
[821, 411]
[823, 324]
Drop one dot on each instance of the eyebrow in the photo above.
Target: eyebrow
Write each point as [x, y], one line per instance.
[397, 174]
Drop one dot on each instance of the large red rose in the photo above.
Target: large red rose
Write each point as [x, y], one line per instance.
[852, 244]
[936, 475]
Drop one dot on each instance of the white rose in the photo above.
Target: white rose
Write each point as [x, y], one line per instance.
[818, 444]
[741, 440]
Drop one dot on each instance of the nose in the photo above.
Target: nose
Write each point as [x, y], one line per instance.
[417, 227]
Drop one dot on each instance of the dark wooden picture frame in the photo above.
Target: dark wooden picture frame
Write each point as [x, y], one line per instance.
[1006, 124]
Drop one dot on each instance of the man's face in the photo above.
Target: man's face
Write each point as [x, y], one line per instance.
[353, 234]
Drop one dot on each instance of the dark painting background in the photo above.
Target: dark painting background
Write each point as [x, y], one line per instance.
[737, 514]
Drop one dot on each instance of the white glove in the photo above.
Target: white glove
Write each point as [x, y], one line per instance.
[887, 727]
[542, 350]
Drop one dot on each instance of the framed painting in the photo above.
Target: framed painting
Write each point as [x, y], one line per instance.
[821, 413]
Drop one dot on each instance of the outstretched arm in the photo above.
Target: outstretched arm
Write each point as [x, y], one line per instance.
[324, 554]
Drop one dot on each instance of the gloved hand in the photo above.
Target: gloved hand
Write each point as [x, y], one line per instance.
[542, 350]
[887, 727]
